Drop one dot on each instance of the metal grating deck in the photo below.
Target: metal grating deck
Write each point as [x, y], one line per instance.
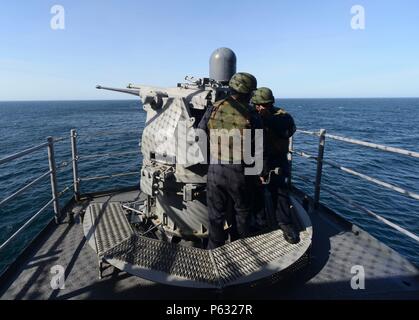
[167, 259]
[105, 226]
[242, 261]
[253, 258]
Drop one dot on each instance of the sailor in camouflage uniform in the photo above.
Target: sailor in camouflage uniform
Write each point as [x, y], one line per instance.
[278, 126]
[229, 190]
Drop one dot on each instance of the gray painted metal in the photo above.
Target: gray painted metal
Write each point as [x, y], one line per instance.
[363, 209]
[53, 175]
[365, 144]
[290, 158]
[375, 146]
[311, 133]
[74, 159]
[116, 175]
[22, 153]
[373, 180]
[27, 223]
[23, 189]
[168, 170]
[222, 65]
[319, 170]
[336, 247]
[108, 155]
[133, 92]
[105, 226]
[239, 262]
[361, 175]
[65, 190]
[304, 155]
[372, 214]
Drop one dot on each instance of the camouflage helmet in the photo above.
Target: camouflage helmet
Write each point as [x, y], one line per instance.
[243, 82]
[263, 96]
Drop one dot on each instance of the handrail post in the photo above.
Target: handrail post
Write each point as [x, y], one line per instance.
[290, 156]
[53, 175]
[74, 158]
[319, 170]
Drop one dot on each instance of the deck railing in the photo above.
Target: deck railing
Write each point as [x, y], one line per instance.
[52, 173]
[76, 157]
[320, 161]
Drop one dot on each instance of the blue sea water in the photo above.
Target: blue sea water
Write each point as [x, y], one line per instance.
[116, 126]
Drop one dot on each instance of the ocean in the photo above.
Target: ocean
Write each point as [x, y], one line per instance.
[116, 127]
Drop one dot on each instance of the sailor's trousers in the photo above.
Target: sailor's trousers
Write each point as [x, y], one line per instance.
[229, 197]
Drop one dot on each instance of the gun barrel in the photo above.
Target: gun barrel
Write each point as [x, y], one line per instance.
[129, 91]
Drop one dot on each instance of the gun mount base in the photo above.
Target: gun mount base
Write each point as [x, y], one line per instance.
[244, 261]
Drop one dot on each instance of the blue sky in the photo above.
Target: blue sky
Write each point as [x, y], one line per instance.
[299, 48]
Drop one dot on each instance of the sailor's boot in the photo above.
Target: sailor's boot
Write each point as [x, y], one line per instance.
[290, 234]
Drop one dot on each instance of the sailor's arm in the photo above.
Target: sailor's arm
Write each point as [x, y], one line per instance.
[282, 124]
[256, 123]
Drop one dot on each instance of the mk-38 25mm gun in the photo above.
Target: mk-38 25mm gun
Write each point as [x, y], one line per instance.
[173, 181]
[173, 174]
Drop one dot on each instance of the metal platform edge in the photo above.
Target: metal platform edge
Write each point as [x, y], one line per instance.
[271, 269]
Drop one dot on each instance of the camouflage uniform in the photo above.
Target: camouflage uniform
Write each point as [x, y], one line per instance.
[229, 190]
[278, 126]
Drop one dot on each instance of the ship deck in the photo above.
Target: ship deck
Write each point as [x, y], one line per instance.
[337, 246]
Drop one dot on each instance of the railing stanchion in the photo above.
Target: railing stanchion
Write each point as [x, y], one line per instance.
[53, 175]
[290, 148]
[319, 170]
[74, 158]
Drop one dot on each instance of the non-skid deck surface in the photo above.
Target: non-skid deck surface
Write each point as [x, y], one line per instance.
[335, 250]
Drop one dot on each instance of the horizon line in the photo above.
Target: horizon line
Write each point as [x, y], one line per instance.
[285, 98]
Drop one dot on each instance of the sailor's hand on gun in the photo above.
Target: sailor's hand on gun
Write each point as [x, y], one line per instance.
[276, 171]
